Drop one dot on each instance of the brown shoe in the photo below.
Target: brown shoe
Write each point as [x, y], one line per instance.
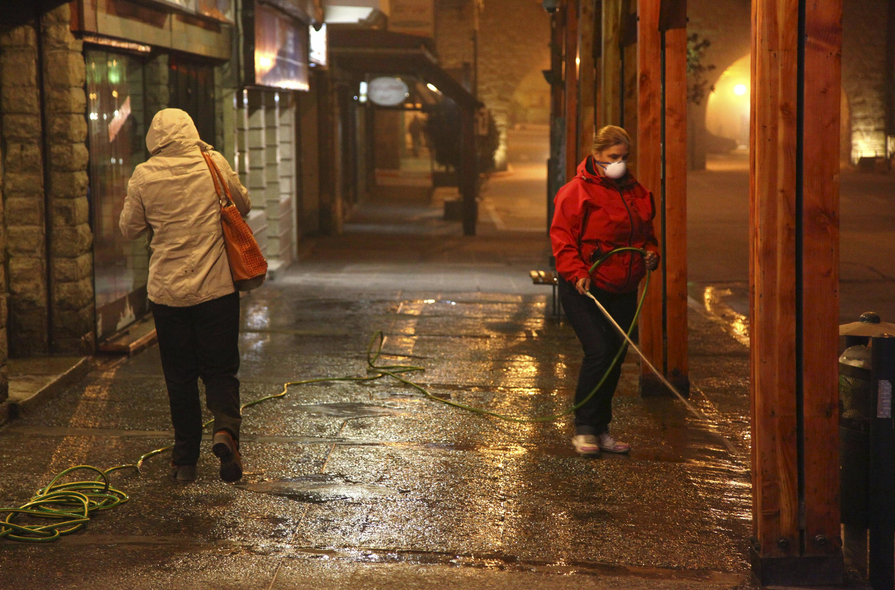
[184, 473]
[225, 448]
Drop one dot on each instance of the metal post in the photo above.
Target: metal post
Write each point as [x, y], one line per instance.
[881, 567]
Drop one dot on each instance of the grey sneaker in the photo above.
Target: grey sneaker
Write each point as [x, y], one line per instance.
[610, 445]
[586, 444]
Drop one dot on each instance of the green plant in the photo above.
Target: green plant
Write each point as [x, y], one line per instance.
[697, 87]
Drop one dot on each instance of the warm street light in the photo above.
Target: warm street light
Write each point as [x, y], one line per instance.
[739, 89]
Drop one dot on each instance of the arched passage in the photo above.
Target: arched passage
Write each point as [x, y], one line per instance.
[727, 113]
[531, 100]
[727, 109]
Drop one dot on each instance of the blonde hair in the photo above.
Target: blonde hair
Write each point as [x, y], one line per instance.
[610, 136]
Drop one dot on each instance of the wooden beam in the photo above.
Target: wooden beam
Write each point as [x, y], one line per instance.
[571, 97]
[610, 74]
[586, 79]
[597, 51]
[556, 174]
[820, 275]
[629, 99]
[675, 210]
[794, 290]
[775, 485]
[649, 173]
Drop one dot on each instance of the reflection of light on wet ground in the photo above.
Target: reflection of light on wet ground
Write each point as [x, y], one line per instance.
[89, 413]
[714, 300]
[257, 317]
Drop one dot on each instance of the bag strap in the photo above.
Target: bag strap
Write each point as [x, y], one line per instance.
[221, 189]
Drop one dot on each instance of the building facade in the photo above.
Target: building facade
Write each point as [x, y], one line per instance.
[79, 85]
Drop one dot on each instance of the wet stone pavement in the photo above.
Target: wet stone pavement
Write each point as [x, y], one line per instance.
[372, 485]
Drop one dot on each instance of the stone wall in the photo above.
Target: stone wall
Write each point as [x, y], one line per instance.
[727, 24]
[454, 33]
[4, 295]
[863, 74]
[23, 195]
[50, 301]
[71, 239]
[513, 42]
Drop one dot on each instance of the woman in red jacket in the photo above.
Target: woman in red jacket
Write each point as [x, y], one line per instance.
[601, 209]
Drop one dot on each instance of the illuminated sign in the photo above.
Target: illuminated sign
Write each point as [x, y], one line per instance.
[387, 92]
[220, 10]
[281, 50]
[318, 45]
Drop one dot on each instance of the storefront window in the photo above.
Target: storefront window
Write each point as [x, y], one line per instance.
[116, 127]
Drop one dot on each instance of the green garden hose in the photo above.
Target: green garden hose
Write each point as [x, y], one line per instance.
[69, 506]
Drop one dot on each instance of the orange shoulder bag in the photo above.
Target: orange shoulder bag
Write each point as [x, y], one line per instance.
[247, 264]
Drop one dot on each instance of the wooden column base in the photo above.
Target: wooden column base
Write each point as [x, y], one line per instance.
[798, 571]
[651, 386]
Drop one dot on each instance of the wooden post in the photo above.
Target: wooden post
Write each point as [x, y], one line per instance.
[674, 251]
[571, 97]
[556, 174]
[629, 105]
[649, 173]
[469, 174]
[794, 291]
[611, 59]
[586, 79]
[820, 274]
[597, 52]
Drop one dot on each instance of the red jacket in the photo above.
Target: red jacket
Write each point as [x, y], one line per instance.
[593, 216]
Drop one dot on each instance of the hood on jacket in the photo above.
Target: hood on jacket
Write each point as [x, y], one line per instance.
[172, 127]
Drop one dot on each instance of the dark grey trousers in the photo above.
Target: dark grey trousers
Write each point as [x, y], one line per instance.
[200, 341]
[600, 341]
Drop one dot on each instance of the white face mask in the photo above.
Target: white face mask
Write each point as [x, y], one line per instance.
[614, 169]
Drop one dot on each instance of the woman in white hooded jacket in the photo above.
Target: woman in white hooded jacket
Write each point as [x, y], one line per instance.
[193, 300]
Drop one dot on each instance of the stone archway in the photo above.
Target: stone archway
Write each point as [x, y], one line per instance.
[513, 40]
[530, 103]
[727, 108]
[726, 119]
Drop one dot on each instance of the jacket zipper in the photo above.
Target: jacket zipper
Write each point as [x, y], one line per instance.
[584, 219]
[631, 236]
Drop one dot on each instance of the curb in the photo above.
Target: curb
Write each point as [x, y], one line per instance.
[10, 410]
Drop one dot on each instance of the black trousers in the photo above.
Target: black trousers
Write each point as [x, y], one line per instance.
[200, 341]
[600, 341]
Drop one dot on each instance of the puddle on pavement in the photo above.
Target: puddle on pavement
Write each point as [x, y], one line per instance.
[348, 410]
[730, 303]
[318, 489]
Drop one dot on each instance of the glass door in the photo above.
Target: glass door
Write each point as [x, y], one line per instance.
[191, 86]
[116, 132]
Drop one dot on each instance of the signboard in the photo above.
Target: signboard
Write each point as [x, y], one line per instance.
[319, 44]
[184, 5]
[220, 10]
[281, 50]
[414, 17]
[387, 92]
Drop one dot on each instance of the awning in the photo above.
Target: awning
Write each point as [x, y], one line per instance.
[372, 51]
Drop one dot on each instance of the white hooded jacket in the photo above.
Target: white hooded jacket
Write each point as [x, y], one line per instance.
[172, 196]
